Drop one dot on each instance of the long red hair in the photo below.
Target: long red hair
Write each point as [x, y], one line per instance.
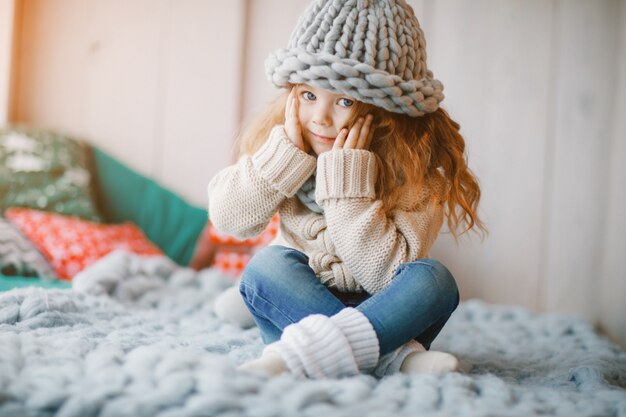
[409, 150]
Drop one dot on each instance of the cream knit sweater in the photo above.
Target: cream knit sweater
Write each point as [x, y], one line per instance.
[355, 245]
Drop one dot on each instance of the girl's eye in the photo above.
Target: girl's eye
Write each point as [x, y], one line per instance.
[308, 96]
[346, 102]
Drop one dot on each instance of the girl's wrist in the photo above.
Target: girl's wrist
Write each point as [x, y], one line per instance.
[282, 164]
[346, 173]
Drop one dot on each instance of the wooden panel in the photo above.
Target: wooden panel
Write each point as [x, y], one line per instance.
[152, 82]
[613, 280]
[7, 8]
[92, 68]
[586, 62]
[202, 84]
[494, 61]
[267, 31]
[124, 80]
[47, 40]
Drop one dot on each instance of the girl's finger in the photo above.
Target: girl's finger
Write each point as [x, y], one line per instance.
[295, 104]
[364, 133]
[340, 139]
[353, 136]
[370, 137]
[288, 105]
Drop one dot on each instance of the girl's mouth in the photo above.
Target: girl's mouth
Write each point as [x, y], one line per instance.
[323, 139]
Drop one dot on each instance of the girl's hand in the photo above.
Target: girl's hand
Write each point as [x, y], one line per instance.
[292, 122]
[359, 136]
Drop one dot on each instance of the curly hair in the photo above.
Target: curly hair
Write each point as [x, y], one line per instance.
[409, 150]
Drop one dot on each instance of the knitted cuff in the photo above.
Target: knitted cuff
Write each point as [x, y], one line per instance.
[315, 347]
[392, 361]
[347, 173]
[361, 336]
[282, 164]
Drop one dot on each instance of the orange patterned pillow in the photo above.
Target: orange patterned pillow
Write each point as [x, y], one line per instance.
[227, 253]
[71, 244]
[231, 263]
[219, 238]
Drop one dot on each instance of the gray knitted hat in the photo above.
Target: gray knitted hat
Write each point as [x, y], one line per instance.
[372, 50]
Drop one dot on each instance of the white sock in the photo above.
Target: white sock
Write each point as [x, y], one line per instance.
[229, 306]
[430, 361]
[269, 364]
[361, 336]
[391, 362]
[412, 357]
[315, 347]
[322, 347]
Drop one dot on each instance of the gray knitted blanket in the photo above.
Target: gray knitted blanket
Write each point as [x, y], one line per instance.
[138, 337]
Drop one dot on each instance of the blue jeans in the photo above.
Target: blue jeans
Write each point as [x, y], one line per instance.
[280, 288]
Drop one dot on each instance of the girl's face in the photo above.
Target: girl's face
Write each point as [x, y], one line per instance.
[322, 115]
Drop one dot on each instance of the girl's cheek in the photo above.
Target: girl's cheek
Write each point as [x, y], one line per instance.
[348, 117]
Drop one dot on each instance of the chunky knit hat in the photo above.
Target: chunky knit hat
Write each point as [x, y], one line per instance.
[372, 50]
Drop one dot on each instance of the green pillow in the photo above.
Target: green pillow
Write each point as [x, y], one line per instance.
[8, 283]
[45, 170]
[167, 220]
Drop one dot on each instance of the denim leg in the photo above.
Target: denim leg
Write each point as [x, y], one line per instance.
[269, 332]
[416, 305]
[280, 288]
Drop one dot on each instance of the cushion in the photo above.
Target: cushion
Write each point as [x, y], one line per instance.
[125, 195]
[228, 253]
[45, 170]
[219, 238]
[70, 244]
[232, 263]
[8, 283]
[19, 256]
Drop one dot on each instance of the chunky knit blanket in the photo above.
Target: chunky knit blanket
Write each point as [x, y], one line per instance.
[138, 337]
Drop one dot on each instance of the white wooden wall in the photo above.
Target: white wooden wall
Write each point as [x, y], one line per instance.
[155, 82]
[7, 14]
[539, 88]
[610, 282]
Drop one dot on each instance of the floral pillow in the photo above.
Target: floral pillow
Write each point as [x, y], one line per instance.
[46, 171]
[71, 244]
[227, 253]
[19, 256]
[219, 238]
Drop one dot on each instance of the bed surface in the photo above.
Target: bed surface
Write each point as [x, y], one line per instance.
[139, 338]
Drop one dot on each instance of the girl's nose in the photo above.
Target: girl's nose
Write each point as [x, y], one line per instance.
[322, 116]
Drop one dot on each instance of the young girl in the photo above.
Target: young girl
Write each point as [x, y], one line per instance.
[362, 166]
